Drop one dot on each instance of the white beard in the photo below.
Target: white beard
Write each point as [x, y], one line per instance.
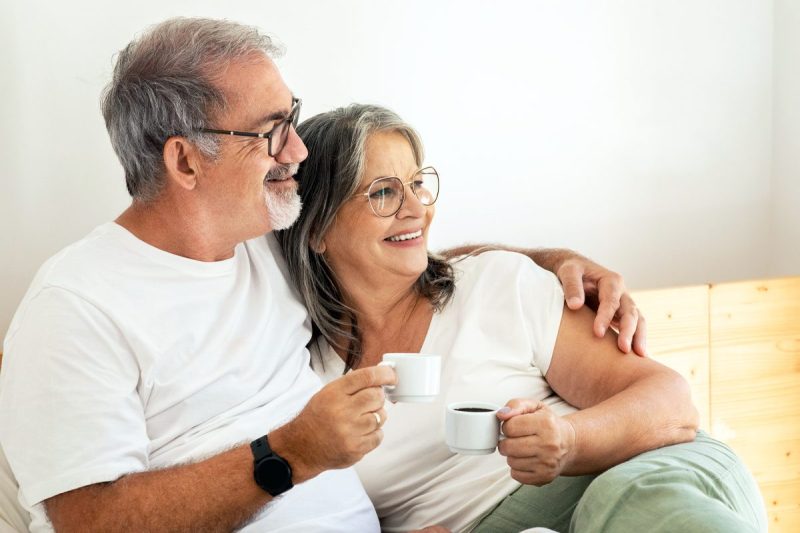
[283, 207]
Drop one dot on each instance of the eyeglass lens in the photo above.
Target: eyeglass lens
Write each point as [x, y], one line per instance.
[386, 194]
[281, 133]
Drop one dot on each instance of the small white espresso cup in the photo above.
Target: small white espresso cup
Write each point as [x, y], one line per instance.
[472, 428]
[418, 376]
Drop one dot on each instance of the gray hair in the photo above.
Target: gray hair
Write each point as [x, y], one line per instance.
[331, 174]
[162, 86]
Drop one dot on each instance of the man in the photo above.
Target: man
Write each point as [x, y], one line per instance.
[156, 364]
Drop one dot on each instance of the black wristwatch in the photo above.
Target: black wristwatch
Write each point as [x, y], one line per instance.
[271, 471]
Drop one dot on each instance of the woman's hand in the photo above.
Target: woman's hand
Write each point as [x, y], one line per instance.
[538, 443]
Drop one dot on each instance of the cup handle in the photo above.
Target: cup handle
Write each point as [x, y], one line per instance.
[388, 388]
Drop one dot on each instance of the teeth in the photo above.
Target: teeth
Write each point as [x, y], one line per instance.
[405, 236]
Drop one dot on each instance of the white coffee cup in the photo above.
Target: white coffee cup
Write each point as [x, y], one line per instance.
[418, 376]
[472, 428]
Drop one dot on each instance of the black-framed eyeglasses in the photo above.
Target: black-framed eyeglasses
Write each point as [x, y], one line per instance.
[277, 136]
[387, 194]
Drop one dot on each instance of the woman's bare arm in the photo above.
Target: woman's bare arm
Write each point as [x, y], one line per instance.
[628, 405]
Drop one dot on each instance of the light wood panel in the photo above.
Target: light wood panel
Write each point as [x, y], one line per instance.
[677, 333]
[755, 386]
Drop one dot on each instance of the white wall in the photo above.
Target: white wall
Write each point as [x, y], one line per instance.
[786, 169]
[639, 132]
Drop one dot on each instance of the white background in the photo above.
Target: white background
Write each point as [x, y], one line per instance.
[661, 138]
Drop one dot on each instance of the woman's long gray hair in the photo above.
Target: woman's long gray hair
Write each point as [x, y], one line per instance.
[336, 143]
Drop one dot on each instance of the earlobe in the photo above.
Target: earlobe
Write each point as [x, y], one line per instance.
[180, 162]
[318, 245]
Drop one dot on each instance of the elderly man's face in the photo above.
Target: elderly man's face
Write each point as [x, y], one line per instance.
[250, 192]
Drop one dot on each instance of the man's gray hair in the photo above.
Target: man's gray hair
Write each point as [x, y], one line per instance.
[328, 178]
[163, 85]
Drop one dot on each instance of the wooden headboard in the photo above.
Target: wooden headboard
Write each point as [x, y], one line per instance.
[738, 345]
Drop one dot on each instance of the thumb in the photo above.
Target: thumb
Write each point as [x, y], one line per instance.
[519, 406]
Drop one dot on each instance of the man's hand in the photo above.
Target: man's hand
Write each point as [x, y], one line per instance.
[604, 291]
[335, 429]
[338, 426]
[587, 282]
[538, 444]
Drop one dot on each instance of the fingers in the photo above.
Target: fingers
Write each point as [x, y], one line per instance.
[610, 291]
[354, 449]
[371, 421]
[539, 422]
[536, 462]
[532, 460]
[518, 406]
[538, 478]
[537, 446]
[381, 417]
[367, 400]
[629, 316]
[372, 441]
[571, 276]
[363, 378]
[349, 413]
[640, 337]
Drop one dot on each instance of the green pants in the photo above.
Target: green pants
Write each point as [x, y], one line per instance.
[698, 486]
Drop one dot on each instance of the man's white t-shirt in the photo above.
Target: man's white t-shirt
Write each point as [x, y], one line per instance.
[496, 338]
[123, 358]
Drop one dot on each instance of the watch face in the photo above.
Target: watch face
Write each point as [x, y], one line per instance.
[274, 475]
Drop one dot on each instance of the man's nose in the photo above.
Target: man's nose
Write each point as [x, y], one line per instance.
[294, 151]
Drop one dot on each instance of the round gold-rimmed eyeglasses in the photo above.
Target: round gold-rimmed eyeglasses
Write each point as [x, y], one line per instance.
[387, 194]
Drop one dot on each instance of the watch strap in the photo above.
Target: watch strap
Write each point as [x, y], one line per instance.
[260, 448]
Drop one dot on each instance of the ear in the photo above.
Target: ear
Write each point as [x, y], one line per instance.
[182, 162]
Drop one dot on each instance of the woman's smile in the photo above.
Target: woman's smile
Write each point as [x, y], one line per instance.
[406, 238]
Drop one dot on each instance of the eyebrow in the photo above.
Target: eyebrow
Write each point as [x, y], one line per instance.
[275, 115]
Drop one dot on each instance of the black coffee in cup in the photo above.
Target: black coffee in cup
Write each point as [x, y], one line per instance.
[471, 427]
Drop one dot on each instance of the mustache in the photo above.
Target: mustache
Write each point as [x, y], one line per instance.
[279, 172]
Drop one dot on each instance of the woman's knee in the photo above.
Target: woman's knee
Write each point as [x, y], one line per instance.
[684, 484]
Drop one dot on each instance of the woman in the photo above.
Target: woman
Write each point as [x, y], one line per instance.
[358, 256]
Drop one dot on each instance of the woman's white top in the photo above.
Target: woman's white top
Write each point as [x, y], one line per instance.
[496, 338]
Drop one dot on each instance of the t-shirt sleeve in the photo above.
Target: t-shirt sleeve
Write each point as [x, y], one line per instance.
[542, 301]
[70, 414]
[515, 296]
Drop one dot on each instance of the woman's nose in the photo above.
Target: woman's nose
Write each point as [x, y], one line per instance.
[412, 207]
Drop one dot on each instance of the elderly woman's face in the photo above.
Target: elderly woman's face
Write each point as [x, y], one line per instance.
[362, 245]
